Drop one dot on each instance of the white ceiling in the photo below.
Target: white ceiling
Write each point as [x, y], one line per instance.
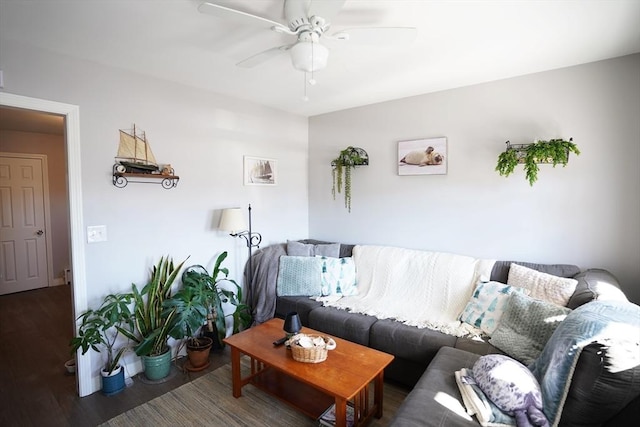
[459, 43]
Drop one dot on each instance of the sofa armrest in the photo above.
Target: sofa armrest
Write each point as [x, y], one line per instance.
[595, 284]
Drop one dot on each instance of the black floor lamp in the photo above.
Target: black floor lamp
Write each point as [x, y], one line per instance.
[232, 220]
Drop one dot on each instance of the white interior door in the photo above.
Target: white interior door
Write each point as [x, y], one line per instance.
[23, 243]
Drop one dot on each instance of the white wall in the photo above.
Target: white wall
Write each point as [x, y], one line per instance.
[586, 214]
[203, 135]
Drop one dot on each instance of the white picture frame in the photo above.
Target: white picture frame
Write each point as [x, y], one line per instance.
[260, 171]
[423, 156]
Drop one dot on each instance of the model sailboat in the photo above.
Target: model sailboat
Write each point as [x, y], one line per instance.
[134, 153]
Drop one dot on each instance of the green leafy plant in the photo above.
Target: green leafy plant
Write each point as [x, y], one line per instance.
[209, 287]
[190, 304]
[100, 328]
[342, 166]
[153, 320]
[554, 151]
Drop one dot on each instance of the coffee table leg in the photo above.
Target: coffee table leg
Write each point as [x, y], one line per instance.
[341, 412]
[235, 372]
[378, 392]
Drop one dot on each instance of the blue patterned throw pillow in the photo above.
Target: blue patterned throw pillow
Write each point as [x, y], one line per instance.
[338, 276]
[486, 305]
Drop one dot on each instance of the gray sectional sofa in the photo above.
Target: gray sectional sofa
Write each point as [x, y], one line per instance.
[425, 359]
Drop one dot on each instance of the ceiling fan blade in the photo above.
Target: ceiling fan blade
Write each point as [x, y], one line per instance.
[377, 35]
[263, 56]
[240, 17]
[326, 9]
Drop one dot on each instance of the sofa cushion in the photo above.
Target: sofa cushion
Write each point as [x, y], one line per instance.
[542, 286]
[526, 326]
[301, 305]
[476, 345]
[353, 327]
[299, 276]
[308, 249]
[408, 342]
[435, 400]
[595, 284]
[486, 305]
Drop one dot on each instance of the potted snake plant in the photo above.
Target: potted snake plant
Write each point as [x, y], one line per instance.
[99, 330]
[153, 320]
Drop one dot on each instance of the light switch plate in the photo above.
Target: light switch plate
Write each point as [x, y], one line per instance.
[96, 233]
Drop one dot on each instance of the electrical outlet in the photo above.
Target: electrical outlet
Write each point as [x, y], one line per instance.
[96, 233]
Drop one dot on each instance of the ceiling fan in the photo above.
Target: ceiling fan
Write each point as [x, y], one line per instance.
[309, 21]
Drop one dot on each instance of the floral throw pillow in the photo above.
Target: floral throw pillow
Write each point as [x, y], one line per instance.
[511, 387]
[486, 305]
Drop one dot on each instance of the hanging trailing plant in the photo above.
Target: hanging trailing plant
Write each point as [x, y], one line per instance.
[342, 166]
[554, 151]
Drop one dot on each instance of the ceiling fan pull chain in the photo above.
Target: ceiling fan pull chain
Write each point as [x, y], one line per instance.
[305, 97]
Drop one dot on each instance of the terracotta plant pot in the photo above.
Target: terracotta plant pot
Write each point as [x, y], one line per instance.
[198, 354]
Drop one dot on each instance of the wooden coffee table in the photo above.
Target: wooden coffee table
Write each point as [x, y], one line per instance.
[311, 388]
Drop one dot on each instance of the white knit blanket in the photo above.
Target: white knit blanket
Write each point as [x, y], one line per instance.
[418, 288]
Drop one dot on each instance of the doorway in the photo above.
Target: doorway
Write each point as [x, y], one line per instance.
[26, 251]
[71, 116]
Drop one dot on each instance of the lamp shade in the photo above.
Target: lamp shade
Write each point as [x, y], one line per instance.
[232, 220]
[309, 56]
[292, 323]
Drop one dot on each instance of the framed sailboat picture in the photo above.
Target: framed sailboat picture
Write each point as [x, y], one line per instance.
[260, 171]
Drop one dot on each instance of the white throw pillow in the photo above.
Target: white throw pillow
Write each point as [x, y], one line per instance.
[546, 287]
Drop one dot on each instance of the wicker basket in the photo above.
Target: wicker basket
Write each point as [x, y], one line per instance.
[315, 354]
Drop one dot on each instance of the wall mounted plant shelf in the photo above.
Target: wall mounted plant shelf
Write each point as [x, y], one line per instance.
[554, 151]
[341, 167]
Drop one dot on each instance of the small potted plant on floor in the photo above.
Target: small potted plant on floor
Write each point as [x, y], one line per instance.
[197, 277]
[153, 320]
[99, 330]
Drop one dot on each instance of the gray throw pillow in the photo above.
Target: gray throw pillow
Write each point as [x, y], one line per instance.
[526, 326]
[331, 250]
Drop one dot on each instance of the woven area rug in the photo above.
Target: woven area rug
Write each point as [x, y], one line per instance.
[208, 401]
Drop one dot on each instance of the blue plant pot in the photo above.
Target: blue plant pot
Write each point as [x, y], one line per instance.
[114, 383]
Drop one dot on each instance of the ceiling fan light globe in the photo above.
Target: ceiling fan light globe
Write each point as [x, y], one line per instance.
[309, 56]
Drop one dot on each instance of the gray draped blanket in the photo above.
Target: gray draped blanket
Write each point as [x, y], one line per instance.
[260, 291]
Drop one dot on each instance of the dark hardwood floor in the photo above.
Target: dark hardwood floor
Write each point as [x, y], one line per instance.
[35, 389]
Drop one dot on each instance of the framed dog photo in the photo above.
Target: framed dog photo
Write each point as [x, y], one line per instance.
[423, 156]
[260, 171]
